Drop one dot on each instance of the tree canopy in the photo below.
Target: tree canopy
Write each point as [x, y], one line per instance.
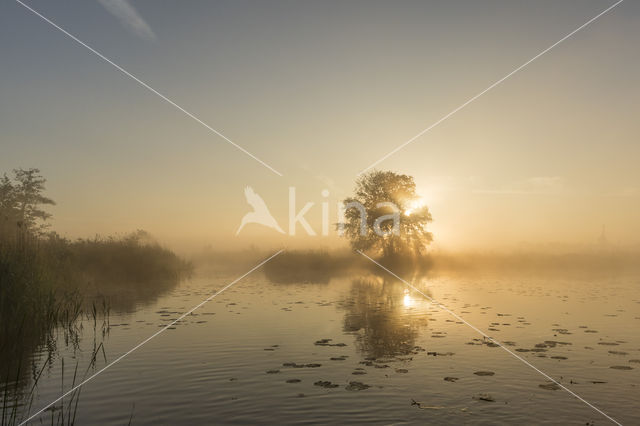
[386, 215]
[21, 201]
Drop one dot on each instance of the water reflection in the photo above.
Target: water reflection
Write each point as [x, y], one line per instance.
[408, 301]
[301, 267]
[125, 297]
[277, 275]
[384, 315]
[25, 355]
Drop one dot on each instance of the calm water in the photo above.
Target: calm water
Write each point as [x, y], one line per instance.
[363, 348]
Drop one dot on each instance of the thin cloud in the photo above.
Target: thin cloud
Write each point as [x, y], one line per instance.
[129, 17]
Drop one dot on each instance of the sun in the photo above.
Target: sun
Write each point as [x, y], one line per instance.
[414, 205]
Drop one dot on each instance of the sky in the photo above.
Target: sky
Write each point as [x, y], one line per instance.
[320, 90]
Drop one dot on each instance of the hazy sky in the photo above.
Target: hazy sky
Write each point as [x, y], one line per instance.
[320, 90]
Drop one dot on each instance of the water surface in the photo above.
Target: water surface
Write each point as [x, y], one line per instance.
[362, 348]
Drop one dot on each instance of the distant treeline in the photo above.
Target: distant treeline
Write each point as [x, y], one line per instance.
[576, 262]
[288, 267]
[306, 266]
[320, 266]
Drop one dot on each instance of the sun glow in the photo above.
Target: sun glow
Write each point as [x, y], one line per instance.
[413, 206]
[407, 301]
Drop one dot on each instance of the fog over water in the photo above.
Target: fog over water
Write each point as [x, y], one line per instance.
[240, 212]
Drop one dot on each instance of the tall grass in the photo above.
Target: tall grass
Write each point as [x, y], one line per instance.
[134, 259]
[42, 280]
[36, 292]
[46, 286]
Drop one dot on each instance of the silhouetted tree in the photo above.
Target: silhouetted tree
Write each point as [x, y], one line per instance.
[20, 203]
[8, 210]
[386, 215]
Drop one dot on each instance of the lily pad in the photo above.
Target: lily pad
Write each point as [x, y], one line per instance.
[327, 342]
[356, 386]
[484, 397]
[550, 386]
[326, 384]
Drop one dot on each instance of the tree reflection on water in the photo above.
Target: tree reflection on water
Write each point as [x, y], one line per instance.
[385, 316]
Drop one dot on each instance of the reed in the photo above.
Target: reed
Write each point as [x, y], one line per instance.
[49, 285]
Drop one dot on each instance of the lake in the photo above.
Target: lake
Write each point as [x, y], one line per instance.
[358, 348]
